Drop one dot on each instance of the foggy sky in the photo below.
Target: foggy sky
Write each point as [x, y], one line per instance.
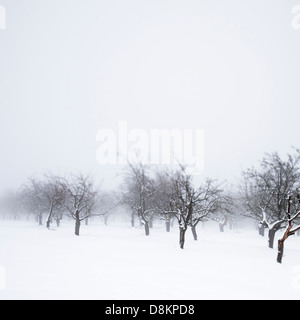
[69, 68]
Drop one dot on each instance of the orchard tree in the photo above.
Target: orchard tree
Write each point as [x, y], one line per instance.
[138, 194]
[54, 196]
[190, 204]
[292, 224]
[266, 190]
[81, 198]
[42, 196]
[106, 203]
[225, 211]
[163, 200]
[208, 200]
[33, 198]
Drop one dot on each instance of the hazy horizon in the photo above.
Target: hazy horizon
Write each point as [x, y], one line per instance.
[71, 68]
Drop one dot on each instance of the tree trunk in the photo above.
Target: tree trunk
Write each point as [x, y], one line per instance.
[86, 221]
[271, 237]
[58, 222]
[132, 220]
[105, 220]
[168, 226]
[40, 219]
[261, 230]
[194, 232]
[221, 227]
[182, 237]
[147, 229]
[151, 223]
[280, 250]
[77, 227]
[49, 219]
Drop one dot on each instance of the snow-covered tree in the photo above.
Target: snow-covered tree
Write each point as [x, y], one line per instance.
[163, 203]
[292, 225]
[106, 203]
[81, 197]
[190, 204]
[266, 190]
[54, 197]
[33, 198]
[225, 212]
[138, 193]
[44, 196]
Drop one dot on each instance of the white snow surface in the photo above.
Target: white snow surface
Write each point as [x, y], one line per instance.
[121, 263]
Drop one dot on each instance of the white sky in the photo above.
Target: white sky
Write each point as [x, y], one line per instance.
[69, 68]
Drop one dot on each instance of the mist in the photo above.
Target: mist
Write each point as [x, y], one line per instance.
[71, 68]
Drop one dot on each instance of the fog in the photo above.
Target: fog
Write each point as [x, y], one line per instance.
[71, 68]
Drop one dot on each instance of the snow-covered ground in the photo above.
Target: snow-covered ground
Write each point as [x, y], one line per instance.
[118, 262]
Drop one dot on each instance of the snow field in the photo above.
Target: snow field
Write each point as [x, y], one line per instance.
[118, 262]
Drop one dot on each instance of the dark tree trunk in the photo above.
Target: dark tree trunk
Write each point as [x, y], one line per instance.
[168, 226]
[271, 237]
[77, 227]
[58, 222]
[147, 229]
[280, 250]
[194, 232]
[49, 219]
[182, 237]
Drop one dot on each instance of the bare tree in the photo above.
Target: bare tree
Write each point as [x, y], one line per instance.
[42, 196]
[291, 229]
[164, 208]
[266, 190]
[208, 200]
[139, 194]
[33, 200]
[81, 198]
[54, 197]
[105, 204]
[190, 204]
[224, 211]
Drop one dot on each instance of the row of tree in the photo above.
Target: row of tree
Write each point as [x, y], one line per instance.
[53, 197]
[147, 195]
[268, 194]
[171, 195]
